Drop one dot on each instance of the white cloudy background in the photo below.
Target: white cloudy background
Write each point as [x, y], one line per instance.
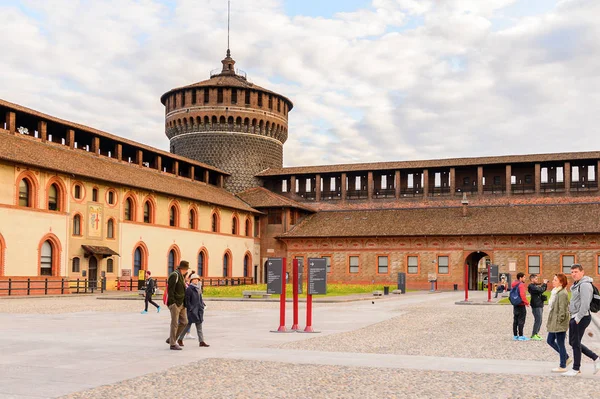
[390, 80]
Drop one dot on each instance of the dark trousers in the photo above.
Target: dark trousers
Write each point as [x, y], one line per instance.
[537, 320]
[557, 341]
[576, 332]
[147, 300]
[519, 315]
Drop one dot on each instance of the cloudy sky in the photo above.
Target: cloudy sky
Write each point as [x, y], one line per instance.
[371, 81]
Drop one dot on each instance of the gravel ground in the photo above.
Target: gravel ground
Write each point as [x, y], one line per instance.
[441, 329]
[214, 378]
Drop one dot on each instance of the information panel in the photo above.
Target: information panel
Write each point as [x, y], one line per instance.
[402, 282]
[274, 275]
[494, 274]
[300, 274]
[317, 276]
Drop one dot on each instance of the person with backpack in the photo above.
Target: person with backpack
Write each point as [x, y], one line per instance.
[558, 320]
[195, 308]
[519, 301]
[582, 295]
[176, 303]
[536, 291]
[150, 290]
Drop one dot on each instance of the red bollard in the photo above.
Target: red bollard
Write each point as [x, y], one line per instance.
[466, 282]
[282, 298]
[309, 327]
[295, 292]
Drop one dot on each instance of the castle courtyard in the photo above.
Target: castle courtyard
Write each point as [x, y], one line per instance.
[418, 345]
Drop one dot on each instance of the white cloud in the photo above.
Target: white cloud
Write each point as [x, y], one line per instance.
[403, 79]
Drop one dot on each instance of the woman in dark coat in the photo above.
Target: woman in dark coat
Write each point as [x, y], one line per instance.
[195, 308]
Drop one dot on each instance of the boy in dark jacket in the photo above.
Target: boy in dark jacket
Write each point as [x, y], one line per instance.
[519, 311]
[537, 304]
[195, 308]
[150, 288]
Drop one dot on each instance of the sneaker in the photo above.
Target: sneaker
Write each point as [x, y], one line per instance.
[516, 338]
[536, 338]
[523, 338]
[596, 365]
[158, 310]
[571, 373]
[189, 336]
[569, 361]
[559, 370]
[144, 311]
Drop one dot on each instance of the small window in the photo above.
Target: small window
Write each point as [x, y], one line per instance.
[201, 261]
[382, 264]
[110, 268]
[24, 191]
[193, 96]
[278, 105]
[46, 259]
[95, 195]
[206, 95]
[173, 216]
[412, 264]
[215, 223]
[260, 99]
[171, 262]
[77, 191]
[443, 265]
[247, 100]
[234, 96]
[77, 225]
[128, 209]
[226, 265]
[75, 266]
[53, 198]
[192, 221]
[327, 263]
[183, 98]
[270, 102]
[533, 264]
[567, 261]
[147, 212]
[234, 226]
[110, 229]
[248, 228]
[220, 95]
[275, 216]
[246, 266]
[353, 264]
[111, 197]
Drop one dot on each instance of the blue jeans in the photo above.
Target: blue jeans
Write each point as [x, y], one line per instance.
[557, 341]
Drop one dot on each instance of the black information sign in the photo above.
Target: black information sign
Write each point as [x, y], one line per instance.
[274, 275]
[300, 274]
[494, 274]
[317, 276]
[402, 282]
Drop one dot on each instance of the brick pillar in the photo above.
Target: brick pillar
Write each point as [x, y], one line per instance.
[537, 176]
[344, 187]
[176, 168]
[317, 185]
[480, 180]
[119, 151]
[220, 181]
[158, 162]
[397, 183]
[71, 138]
[11, 122]
[96, 145]
[507, 180]
[292, 182]
[370, 185]
[425, 183]
[139, 157]
[43, 130]
[192, 169]
[567, 177]
[206, 176]
[452, 181]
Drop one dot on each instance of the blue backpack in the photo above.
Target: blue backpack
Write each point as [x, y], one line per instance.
[515, 295]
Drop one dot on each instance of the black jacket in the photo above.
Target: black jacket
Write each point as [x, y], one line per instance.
[194, 305]
[150, 284]
[536, 292]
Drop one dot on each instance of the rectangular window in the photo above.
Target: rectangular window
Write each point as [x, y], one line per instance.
[544, 175]
[260, 99]
[575, 173]
[183, 99]
[353, 261]
[560, 177]
[410, 181]
[533, 264]
[193, 96]
[206, 95]
[270, 102]
[110, 266]
[284, 187]
[567, 261]
[382, 264]
[327, 263]
[247, 97]
[275, 216]
[220, 95]
[278, 105]
[513, 180]
[412, 263]
[75, 267]
[234, 96]
[443, 265]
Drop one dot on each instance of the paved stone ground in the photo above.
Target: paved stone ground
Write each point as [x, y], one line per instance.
[417, 345]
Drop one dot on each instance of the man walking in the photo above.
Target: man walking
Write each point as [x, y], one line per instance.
[537, 304]
[176, 304]
[520, 310]
[150, 288]
[582, 293]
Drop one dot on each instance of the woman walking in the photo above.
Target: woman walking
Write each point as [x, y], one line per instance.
[558, 320]
[195, 308]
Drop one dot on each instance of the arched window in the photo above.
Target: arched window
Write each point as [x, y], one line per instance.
[111, 197]
[110, 268]
[226, 260]
[201, 263]
[46, 259]
[77, 191]
[148, 212]
[246, 265]
[110, 228]
[215, 223]
[95, 194]
[222, 120]
[129, 209]
[248, 228]
[53, 197]
[234, 225]
[77, 225]
[171, 262]
[25, 193]
[75, 266]
[137, 261]
[192, 219]
[173, 216]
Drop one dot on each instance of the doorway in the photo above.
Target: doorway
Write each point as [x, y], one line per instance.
[93, 270]
[472, 261]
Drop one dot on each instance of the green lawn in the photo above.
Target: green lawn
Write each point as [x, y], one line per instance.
[332, 290]
[547, 293]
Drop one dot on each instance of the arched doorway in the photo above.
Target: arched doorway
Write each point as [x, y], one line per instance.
[473, 261]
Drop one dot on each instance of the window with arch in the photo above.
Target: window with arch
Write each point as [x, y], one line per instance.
[75, 265]
[234, 225]
[46, 259]
[148, 212]
[129, 209]
[25, 193]
[77, 191]
[77, 225]
[53, 199]
[110, 228]
[111, 197]
[95, 194]
[192, 219]
[201, 263]
[110, 266]
[247, 265]
[226, 262]
[215, 223]
[173, 216]
[248, 230]
[171, 261]
[139, 260]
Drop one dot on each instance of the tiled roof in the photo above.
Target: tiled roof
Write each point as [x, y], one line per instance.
[492, 220]
[226, 81]
[26, 150]
[435, 163]
[100, 133]
[259, 197]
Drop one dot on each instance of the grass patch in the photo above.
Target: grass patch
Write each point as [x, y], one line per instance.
[332, 290]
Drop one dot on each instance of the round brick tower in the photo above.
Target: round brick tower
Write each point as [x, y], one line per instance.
[229, 123]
